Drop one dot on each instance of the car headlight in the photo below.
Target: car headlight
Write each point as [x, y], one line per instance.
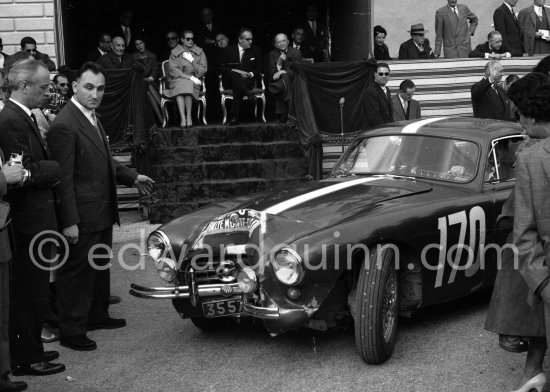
[288, 266]
[158, 247]
[246, 278]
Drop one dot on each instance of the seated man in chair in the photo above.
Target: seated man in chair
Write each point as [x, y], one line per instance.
[242, 65]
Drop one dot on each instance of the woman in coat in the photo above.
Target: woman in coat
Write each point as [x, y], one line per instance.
[186, 65]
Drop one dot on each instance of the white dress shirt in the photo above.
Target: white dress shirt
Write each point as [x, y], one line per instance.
[87, 112]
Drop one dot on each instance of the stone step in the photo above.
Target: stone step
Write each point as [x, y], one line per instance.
[193, 192]
[228, 152]
[227, 170]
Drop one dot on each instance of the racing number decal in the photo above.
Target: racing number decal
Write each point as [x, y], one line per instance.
[475, 222]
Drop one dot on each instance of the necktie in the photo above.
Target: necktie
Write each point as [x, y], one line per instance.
[514, 14]
[127, 34]
[455, 10]
[33, 117]
[314, 28]
[96, 126]
[209, 27]
[241, 53]
[406, 109]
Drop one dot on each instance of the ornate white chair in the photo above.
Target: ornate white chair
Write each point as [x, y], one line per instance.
[259, 94]
[164, 100]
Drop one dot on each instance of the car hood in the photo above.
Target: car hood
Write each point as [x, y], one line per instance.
[292, 213]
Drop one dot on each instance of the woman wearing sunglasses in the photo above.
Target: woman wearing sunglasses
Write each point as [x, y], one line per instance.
[186, 65]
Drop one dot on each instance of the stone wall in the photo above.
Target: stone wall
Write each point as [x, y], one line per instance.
[34, 18]
[397, 16]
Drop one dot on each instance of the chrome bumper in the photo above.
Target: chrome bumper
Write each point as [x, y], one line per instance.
[202, 291]
[260, 312]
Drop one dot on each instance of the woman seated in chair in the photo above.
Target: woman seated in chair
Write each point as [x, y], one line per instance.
[186, 65]
[150, 73]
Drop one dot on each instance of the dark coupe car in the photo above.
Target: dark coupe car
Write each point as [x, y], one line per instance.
[407, 219]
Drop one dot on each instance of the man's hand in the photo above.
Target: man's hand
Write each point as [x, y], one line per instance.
[278, 74]
[144, 184]
[71, 234]
[13, 173]
[282, 57]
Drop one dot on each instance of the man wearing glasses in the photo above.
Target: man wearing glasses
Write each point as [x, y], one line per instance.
[103, 47]
[418, 47]
[28, 44]
[172, 40]
[242, 64]
[377, 103]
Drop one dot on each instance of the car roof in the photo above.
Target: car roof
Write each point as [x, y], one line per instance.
[478, 129]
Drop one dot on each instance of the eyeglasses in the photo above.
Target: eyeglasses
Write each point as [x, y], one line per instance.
[63, 84]
[30, 50]
[171, 38]
[383, 73]
[189, 38]
[246, 39]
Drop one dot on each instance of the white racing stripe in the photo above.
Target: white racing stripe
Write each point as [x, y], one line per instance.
[415, 126]
[288, 204]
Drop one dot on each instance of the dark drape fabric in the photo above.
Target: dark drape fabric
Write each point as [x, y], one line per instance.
[125, 104]
[316, 94]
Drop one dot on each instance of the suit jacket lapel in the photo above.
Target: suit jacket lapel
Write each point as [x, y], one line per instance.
[533, 16]
[33, 126]
[87, 129]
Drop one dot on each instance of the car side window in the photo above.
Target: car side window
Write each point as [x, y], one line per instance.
[502, 157]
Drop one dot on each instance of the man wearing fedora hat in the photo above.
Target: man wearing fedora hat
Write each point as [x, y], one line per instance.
[452, 31]
[281, 74]
[418, 47]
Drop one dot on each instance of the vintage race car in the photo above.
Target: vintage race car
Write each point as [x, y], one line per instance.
[407, 219]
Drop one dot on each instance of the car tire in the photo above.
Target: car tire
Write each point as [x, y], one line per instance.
[209, 324]
[377, 306]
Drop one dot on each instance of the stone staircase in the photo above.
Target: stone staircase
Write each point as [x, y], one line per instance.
[193, 167]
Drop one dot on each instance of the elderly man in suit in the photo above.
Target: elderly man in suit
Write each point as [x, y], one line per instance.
[34, 218]
[117, 58]
[242, 65]
[10, 175]
[403, 106]
[103, 47]
[377, 103]
[489, 99]
[452, 30]
[281, 75]
[535, 24]
[494, 48]
[418, 47]
[87, 210]
[507, 24]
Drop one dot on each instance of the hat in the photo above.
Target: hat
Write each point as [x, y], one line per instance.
[417, 28]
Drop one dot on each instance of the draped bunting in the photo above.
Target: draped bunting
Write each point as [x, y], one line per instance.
[316, 92]
[125, 104]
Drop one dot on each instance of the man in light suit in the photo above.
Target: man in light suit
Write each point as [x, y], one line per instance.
[533, 20]
[281, 75]
[489, 99]
[87, 210]
[377, 103]
[507, 24]
[403, 106]
[452, 30]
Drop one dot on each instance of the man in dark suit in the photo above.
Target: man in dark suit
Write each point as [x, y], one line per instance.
[103, 47]
[10, 175]
[489, 99]
[418, 47]
[281, 75]
[452, 31]
[3, 56]
[298, 36]
[87, 210]
[117, 58]
[316, 35]
[242, 63]
[493, 49]
[507, 24]
[28, 44]
[207, 30]
[403, 106]
[125, 29]
[34, 218]
[377, 104]
[532, 20]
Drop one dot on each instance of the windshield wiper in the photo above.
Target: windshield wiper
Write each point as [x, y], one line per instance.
[399, 176]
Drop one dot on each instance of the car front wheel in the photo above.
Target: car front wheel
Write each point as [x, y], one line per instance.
[377, 305]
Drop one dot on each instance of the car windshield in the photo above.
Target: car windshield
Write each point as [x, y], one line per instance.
[410, 156]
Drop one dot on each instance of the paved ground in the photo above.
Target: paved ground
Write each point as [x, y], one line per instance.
[443, 349]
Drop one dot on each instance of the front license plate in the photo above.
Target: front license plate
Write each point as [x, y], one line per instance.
[226, 307]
